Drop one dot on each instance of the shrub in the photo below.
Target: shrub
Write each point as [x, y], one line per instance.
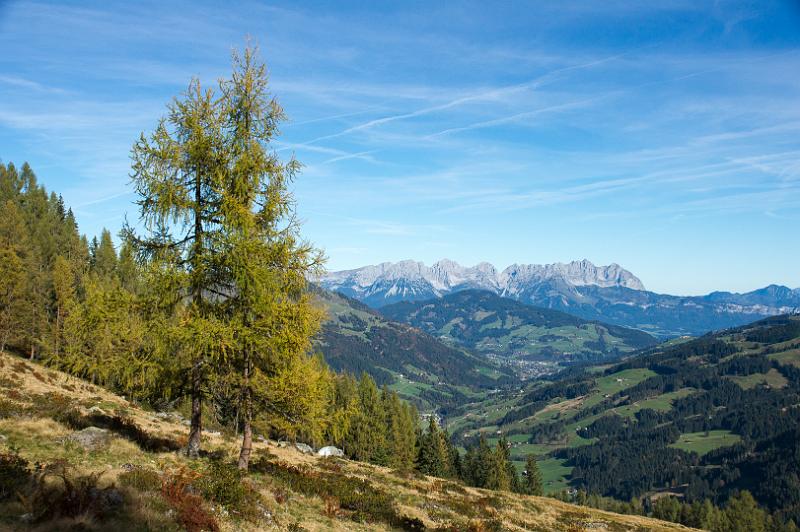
[191, 513]
[14, 474]
[331, 507]
[281, 495]
[224, 484]
[141, 479]
[57, 491]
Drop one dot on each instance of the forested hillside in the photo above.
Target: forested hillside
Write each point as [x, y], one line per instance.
[704, 419]
[355, 339]
[508, 330]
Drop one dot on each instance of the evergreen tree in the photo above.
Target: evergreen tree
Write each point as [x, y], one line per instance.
[533, 477]
[367, 437]
[13, 279]
[497, 474]
[433, 458]
[401, 432]
[104, 259]
[477, 463]
[743, 514]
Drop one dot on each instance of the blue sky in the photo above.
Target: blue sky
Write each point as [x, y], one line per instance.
[663, 136]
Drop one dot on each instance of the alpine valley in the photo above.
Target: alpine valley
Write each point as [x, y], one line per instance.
[610, 294]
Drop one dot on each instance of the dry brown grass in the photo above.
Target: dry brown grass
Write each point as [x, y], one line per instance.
[437, 503]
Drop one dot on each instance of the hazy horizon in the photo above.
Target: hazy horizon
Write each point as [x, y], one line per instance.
[663, 138]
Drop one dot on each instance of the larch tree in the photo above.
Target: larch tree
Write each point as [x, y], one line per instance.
[223, 242]
[263, 257]
[179, 173]
[64, 290]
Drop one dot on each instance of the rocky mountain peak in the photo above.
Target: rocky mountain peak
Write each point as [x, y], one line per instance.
[409, 278]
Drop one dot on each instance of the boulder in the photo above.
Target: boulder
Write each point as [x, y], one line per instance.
[90, 438]
[330, 450]
[303, 448]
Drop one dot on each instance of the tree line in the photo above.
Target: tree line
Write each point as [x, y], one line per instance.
[741, 513]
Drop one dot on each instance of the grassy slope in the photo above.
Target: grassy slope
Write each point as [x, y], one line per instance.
[495, 325]
[42, 393]
[703, 443]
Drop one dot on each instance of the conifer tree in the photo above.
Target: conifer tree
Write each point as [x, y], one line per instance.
[533, 477]
[13, 280]
[497, 474]
[482, 462]
[104, 259]
[434, 455]
[128, 269]
[743, 514]
[102, 335]
[179, 173]
[367, 437]
[344, 407]
[263, 261]
[65, 292]
[401, 432]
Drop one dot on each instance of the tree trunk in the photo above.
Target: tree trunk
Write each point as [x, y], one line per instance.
[196, 427]
[58, 331]
[247, 434]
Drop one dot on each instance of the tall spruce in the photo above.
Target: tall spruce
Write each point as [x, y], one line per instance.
[401, 419]
[104, 258]
[14, 246]
[532, 483]
[499, 476]
[366, 439]
[434, 453]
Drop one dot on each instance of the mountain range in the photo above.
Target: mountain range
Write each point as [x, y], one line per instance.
[606, 293]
